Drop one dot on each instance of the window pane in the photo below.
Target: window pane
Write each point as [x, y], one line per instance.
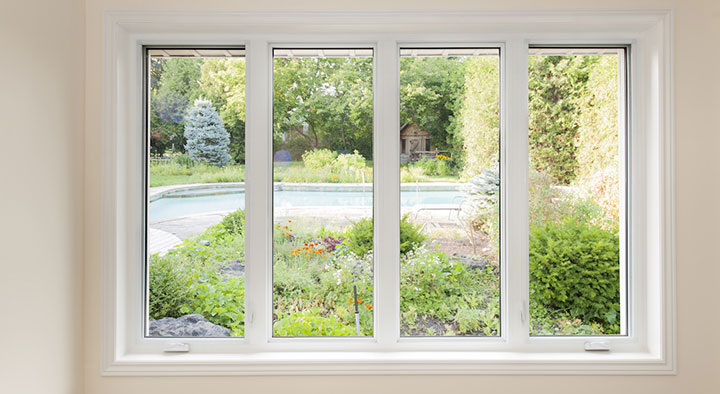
[449, 233]
[196, 200]
[576, 137]
[323, 192]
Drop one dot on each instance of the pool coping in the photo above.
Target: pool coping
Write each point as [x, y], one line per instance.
[175, 191]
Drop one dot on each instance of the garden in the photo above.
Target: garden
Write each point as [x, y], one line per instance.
[449, 261]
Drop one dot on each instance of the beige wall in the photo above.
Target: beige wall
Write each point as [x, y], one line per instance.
[41, 192]
[47, 177]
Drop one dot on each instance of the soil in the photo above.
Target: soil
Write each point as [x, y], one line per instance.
[463, 249]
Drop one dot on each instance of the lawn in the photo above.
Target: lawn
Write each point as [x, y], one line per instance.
[163, 173]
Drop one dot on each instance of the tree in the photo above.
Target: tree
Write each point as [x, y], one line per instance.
[324, 103]
[207, 140]
[430, 95]
[479, 115]
[223, 83]
[557, 87]
[175, 84]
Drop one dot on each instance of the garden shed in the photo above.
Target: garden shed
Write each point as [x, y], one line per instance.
[414, 142]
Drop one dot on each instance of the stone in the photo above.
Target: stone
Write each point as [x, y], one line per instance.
[186, 326]
[233, 268]
[474, 262]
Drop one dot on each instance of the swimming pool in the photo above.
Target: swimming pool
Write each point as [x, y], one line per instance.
[193, 202]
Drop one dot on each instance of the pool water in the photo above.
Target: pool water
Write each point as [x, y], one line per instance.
[169, 208]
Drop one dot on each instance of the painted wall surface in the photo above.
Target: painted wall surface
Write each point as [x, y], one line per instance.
[51, 187]
[42, 61]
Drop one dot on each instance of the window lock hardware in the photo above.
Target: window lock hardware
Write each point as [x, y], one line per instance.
[177, 347]
[597, 346]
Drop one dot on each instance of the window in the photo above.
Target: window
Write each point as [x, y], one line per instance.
[322, 192]
[577, 190]
[388, 199]
[449, 192]
[195, 223]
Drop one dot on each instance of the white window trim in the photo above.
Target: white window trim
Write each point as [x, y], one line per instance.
[648, 349]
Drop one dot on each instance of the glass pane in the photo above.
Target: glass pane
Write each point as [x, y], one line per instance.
[576, 137]
[323, 192]
[449, 232]
[196, 201]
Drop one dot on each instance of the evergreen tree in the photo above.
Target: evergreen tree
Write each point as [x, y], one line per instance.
[557, 86]
[207, 139]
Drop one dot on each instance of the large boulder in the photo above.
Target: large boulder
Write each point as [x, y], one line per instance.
[186, 326]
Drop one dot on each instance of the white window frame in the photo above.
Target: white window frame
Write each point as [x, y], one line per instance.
[649, 347]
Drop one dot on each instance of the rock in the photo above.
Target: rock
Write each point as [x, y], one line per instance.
[233, 268]
[470, 261]
[186, 326]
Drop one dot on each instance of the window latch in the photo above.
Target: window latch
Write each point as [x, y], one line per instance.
[597, 346]
[177, 347]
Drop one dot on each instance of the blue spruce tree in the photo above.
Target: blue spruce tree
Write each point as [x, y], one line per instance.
[207, 139]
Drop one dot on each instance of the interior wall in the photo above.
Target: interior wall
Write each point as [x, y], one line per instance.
[42, 59]
[697, 88]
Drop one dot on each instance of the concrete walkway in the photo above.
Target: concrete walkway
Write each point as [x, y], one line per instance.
[161, 241]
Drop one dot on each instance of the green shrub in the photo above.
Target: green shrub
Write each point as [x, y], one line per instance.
[349, 163]
[360, 236]
[183, 160]
[310, 323]
[220, 300]
[574, 269]
[167, 287]
[318, 158]
[429, 166]
[234, 223]
[411, 173]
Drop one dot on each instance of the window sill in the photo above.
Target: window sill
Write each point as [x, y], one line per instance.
[389, 363]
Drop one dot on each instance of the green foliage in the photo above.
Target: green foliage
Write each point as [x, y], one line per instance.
[558, 85]
[220, 300]
[207, 140]
[174, 86]
[430, 94]
[439, 167]
[233, 223]
[318, 159]
[435, 290]
[598, 134]
[324, 102]
[223, 83]
[167, 287]
[310, 323]
[479, 130]
[188, 280]
[574, 269]
[349, 163]
[174, 174]
[183, 160]
[360, 236]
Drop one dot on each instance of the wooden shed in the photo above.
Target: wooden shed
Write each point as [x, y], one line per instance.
[414, 141]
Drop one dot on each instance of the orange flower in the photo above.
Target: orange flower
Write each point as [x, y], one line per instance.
[368, 306]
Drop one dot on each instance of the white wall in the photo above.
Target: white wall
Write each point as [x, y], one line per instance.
[41, 192]
[47, 177]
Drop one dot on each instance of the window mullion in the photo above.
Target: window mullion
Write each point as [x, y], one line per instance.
[258, 181]
[514, 192]
[386, 164]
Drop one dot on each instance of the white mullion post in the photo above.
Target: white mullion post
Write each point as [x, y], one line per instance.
[515, 182]
[258, 193]
[386, 169]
